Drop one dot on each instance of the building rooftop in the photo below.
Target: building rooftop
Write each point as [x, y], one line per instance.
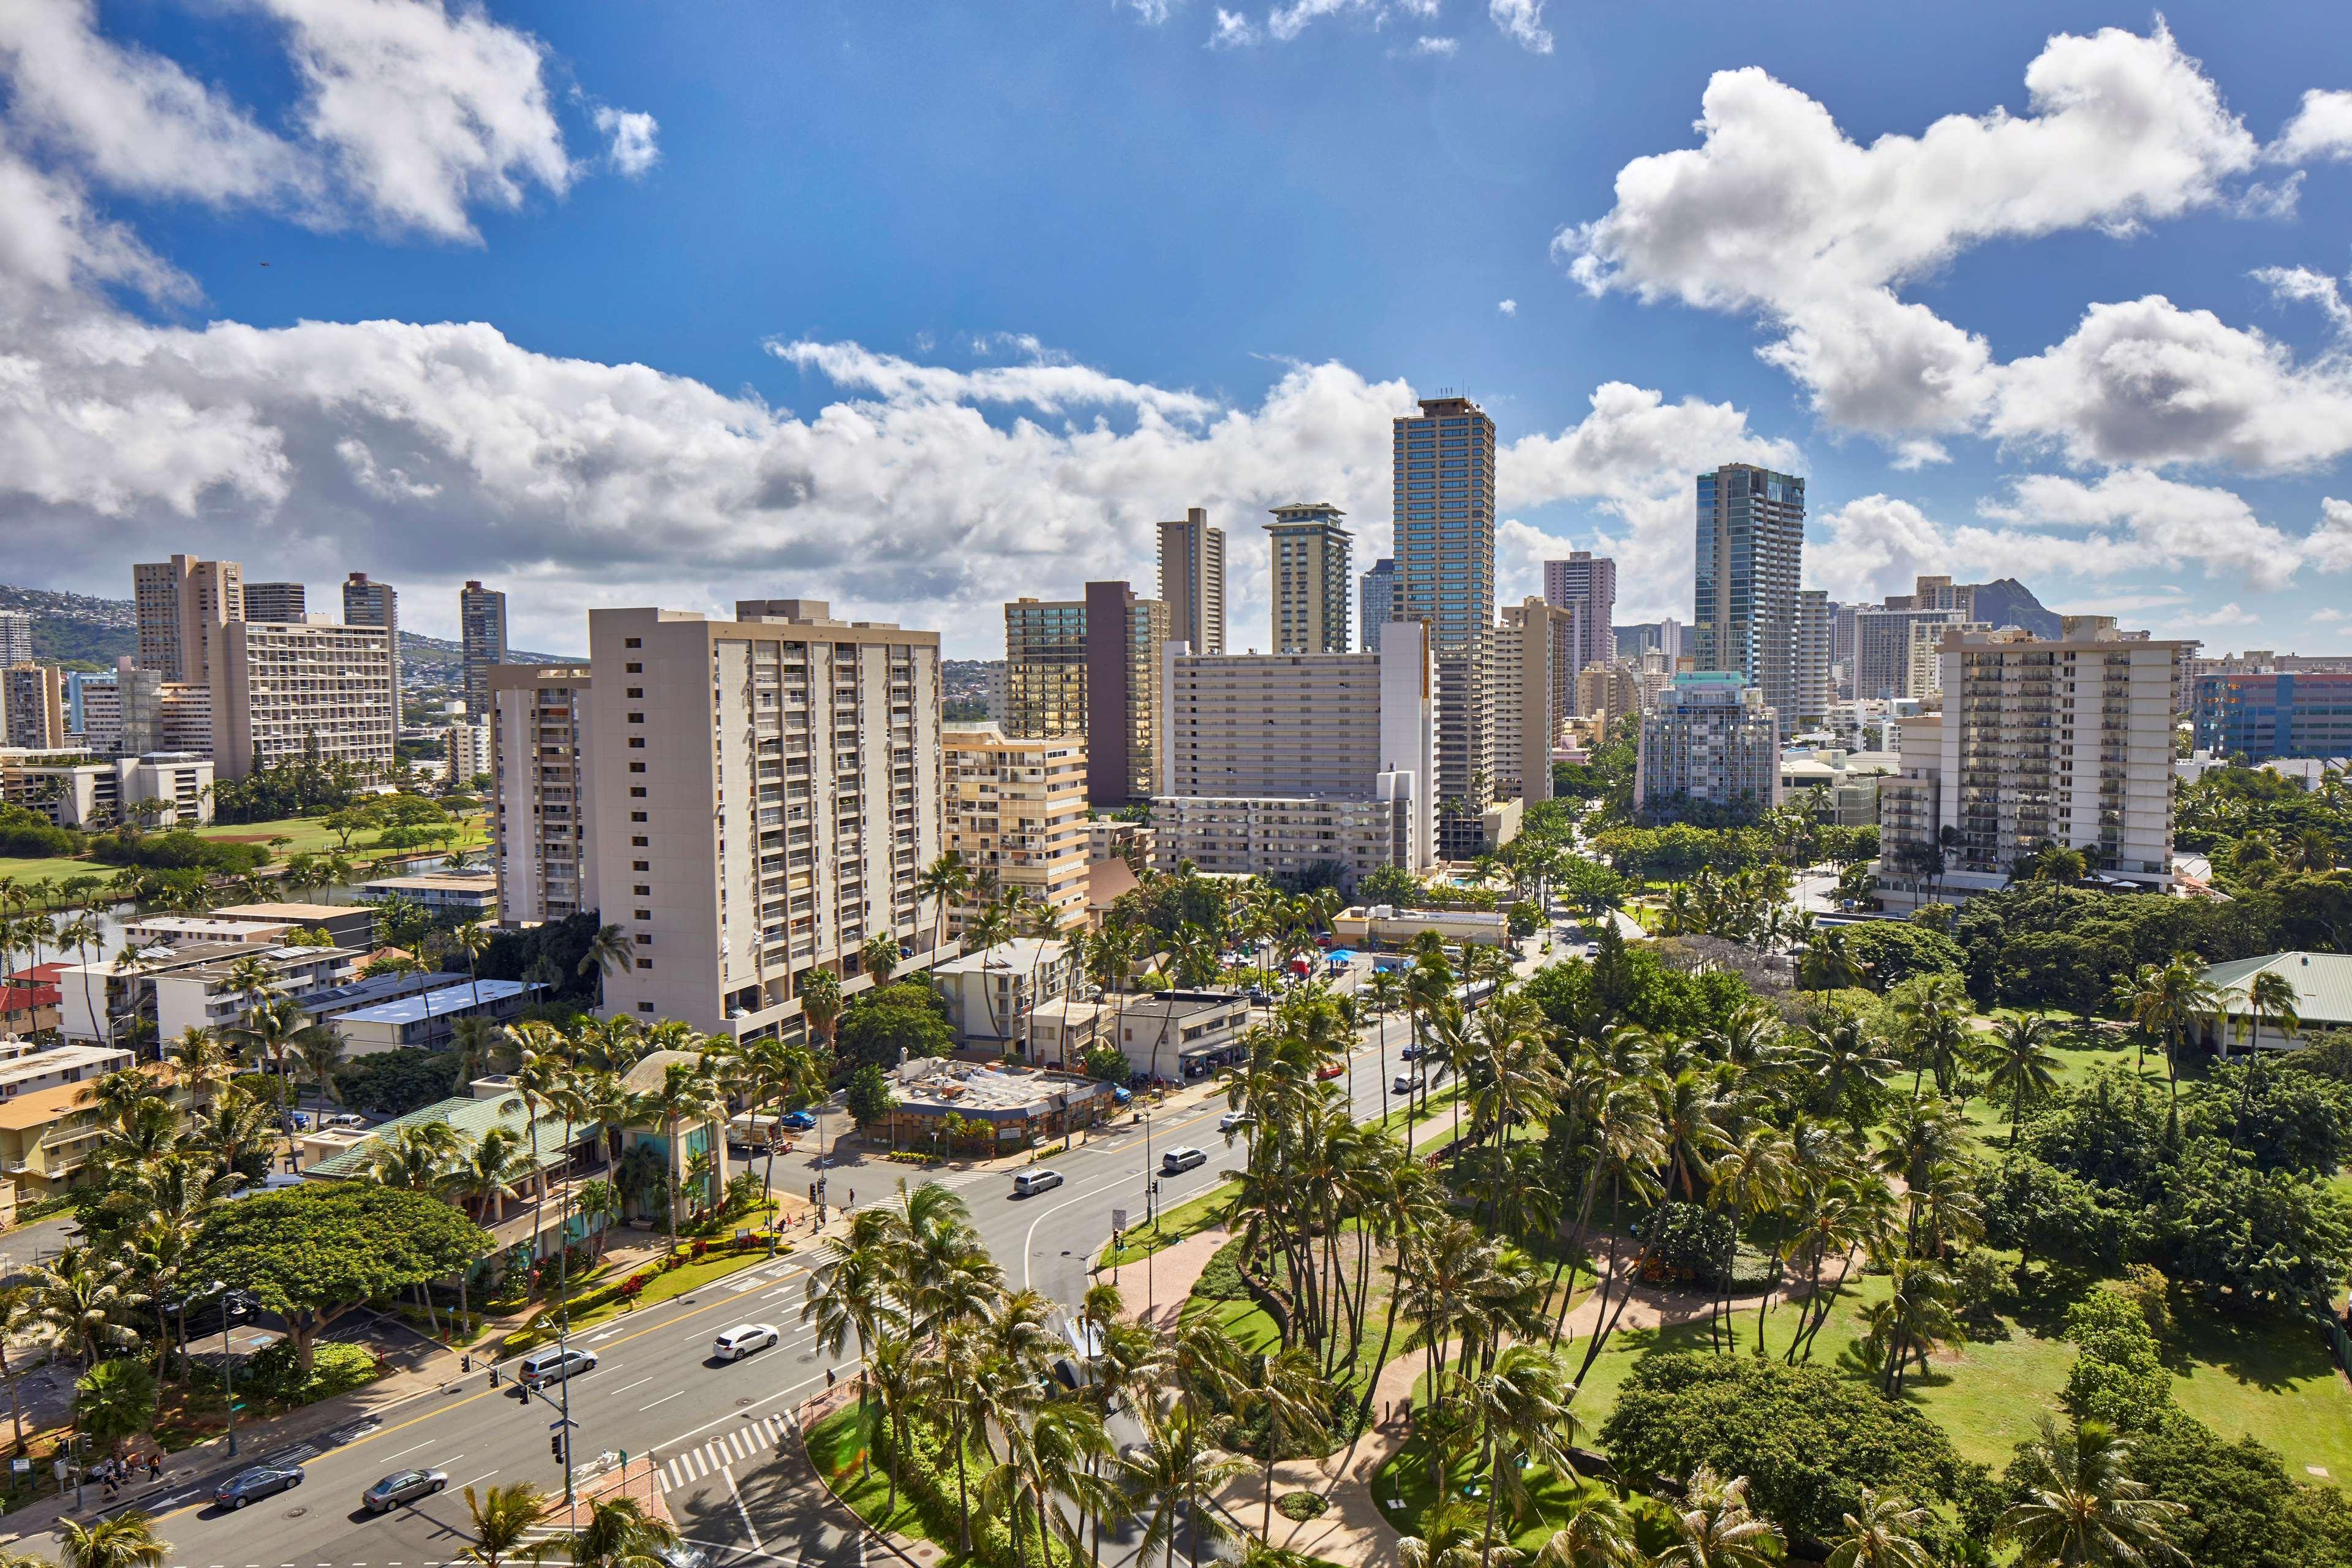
[15, 1068]
[297, 912]
[471, 1117]
[937, 1083]
[38, 1108]
[649, 1071]
[2321, 982]
[367, 992]
[437, 881]
[417, 1008]
[202, 928]
[1019, 955]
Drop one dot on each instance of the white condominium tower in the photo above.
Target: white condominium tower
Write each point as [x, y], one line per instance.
[767, 792]
[284, 691]
[1192, 580]
[1309, 554]
[369, 604]
[1750, 547]
[543, 790]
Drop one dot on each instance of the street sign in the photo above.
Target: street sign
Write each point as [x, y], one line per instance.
[1119, 1219]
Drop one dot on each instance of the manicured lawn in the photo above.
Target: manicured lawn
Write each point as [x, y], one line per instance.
[682, 1280]
[1184, 1221]
[31, 874]
[311, 835]
[1404, 1492]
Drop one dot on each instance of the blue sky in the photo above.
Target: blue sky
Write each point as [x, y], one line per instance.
[916, 308]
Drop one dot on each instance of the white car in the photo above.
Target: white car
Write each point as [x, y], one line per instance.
[743, 1339]
[1231, 1120]
[1029, 1183]
[1406, 1083]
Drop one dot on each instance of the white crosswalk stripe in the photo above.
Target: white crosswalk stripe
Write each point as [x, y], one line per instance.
[743, 1446]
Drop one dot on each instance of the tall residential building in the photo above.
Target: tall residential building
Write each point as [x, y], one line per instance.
[367, 603]
[465, 747]
[767, 792]
[94, 710]
[1278, 765]
[1608, 694]
[1881, 648]
[1588, 581]
[1044, 668]
[33, 706]
[2274, 713]
[160, 715]
[1711, 738]
[1192, 580]
[1531, 687]
[283, 691]
[1465, 774]
[276, 602]
[1935, 594]
[1376, 602]
[1750, 550]
[1089, 666]
[1016, 811]
[482, 640]
[15, 638]
[1310, 553]
[543, 792]
[179, 603]
[1664, 637]
[1442, 470]
[2066, 741]
[1816, 627]
[1926, 678]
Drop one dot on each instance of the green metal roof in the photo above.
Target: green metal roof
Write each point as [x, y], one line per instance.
[471, 1117]
[2321, 982]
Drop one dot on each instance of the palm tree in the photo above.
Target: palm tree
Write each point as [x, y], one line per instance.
[203, 1061]
[2272, 998]
[503, 1522]
[1291, 1387]
[2020, 1065]
[1170, 1474]
[608, 950]
[84, 1298]
[477, 1042]
[321, 1050]
[821, 1004]
[1519, 1407]
[2083, 1509]
[2166, 1003]
[946, 880]
[1717, 1528]
[880, 956]
[126, 1541]
[619, 1533]
[275, 1030]
[1932, 1013]
[685, 1094]
[234, 1128]
[83, 936]
[1913, 1318]
[1885, 1535]
[473, 939]
[488, 1171]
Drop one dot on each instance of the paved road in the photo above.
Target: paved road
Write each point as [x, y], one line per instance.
[714, 1431]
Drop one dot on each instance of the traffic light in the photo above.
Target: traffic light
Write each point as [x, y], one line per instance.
[555, 1446]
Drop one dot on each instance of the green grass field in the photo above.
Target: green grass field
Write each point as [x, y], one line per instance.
[304, 836]
[840, 1456]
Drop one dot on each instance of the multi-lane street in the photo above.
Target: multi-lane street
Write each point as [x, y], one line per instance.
[715, 1434]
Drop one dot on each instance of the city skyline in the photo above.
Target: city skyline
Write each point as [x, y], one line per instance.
[832, 417]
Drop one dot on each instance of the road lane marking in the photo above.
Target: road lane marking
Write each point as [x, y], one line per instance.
[485, 1476]
[665, 1399]
[639, 1383]
[741, 1512]
[412, 1448]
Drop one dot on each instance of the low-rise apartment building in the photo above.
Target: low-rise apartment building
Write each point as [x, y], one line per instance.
[468, 895]
[429, 1020]
[1175, 1036]
[990, 992]
[48, 1134]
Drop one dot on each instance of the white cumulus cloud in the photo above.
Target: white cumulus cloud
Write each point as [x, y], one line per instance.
[2321, 128]
[1521, 21]
[634, 148]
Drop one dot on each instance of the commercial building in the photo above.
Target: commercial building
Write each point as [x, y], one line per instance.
[1749, 552]
[2066, 741]
[1532, 691]
[180, 603]
[32, 706]
[1840, 786]
[1016, 813]
[282, 691]
[1089, 667]
[2274, 714]
[1311, 558]
[1010, 1109]
[160, 715]
[1278, 763]
[990, 992]
[542, 791]
[94, 710]
[1712, 738]
[1385, 928]
[1192, 580]
[15, 638]
[1816, 631]
[1060, 1033]
[1443, 477]
[377, 604]
[276, 602]
[1586, 583]
[1376, 591]
[767, 792]
[1175, 1036]
[481, 640]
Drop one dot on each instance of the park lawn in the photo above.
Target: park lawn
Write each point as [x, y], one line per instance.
[1186, 1220]
[2268, 1379]
[311, 835]
[839, 1454]
[1987, 1114]
[31, 874]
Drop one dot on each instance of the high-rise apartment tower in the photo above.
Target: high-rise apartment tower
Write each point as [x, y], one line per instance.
[1377, 596]
[1309, 554]
[285, 602]
[1192, 580]
[179, 603]
[482, 640]
[1442, 470]
[1588, 581]
[367, 603]
[1750, 548]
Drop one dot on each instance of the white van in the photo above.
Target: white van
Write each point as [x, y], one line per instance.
[1029, 1183]
[1176, 1161]
[543, 1367]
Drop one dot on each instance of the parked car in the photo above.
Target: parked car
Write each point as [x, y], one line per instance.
[1406, 1082]
[1176, 1161]
[1120, 1096]
[1028, 1183]
[1330, 1069]
[1259, 996]
[798, 1121]
[255, 1483]
[400, 1486]
[743, 1339]
[543, 1367]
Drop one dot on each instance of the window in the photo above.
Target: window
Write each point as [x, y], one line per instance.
[645, 963]
[635, 692]
[645, 1007]
[636, 817]
[637, 718]
[643, 914]
[637, 791]
[636, 767]
[641, 865]
[636, 743]
[644, 941]
[642, 890]
[634, 669]
[632, 642]
[639, 842]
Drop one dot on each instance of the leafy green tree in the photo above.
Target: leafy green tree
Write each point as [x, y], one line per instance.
[868, 1097]
[2241, 1508]
[889, 1021]
[2118, 1376]
[115, 1400]
[314, 1253]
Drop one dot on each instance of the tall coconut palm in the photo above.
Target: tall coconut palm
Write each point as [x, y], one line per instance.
[821, 1004]
[203, 1061]
[1170, 1476]
[321, 1050]
[2082, 1507]
[1601, 1534]
[1519, 1408]
[87, 1300]
[944, 881]
[473, 939]
[126, 1541]
[608, 950]
[2166, 1002]
[685, 1094]
[1716, 1527]
[2020, 1066]
[1931, 1012]
[276, 1031]
[619, 1533]
[2272, 998]
[1290, 1388]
